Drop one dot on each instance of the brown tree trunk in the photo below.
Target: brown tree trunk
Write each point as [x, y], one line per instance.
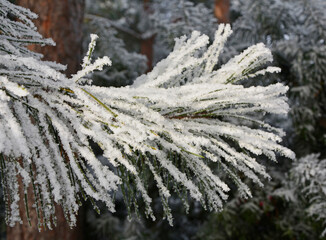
[60, 20]
[146, 46]
[222, 11]
[146, 49]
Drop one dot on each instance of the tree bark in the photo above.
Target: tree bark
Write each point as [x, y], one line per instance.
[60, 20]
[222, 11]
[146, 49]
[146, 46]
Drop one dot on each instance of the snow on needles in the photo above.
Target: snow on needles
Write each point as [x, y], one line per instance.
[171, 125]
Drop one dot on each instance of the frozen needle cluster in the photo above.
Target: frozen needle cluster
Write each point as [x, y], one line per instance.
[183, 125]
[308, 181]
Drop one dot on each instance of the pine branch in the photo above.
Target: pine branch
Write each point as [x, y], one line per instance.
[172, 123]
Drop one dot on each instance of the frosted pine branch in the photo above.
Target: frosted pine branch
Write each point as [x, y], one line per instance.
[308, 181]
[171, 125]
